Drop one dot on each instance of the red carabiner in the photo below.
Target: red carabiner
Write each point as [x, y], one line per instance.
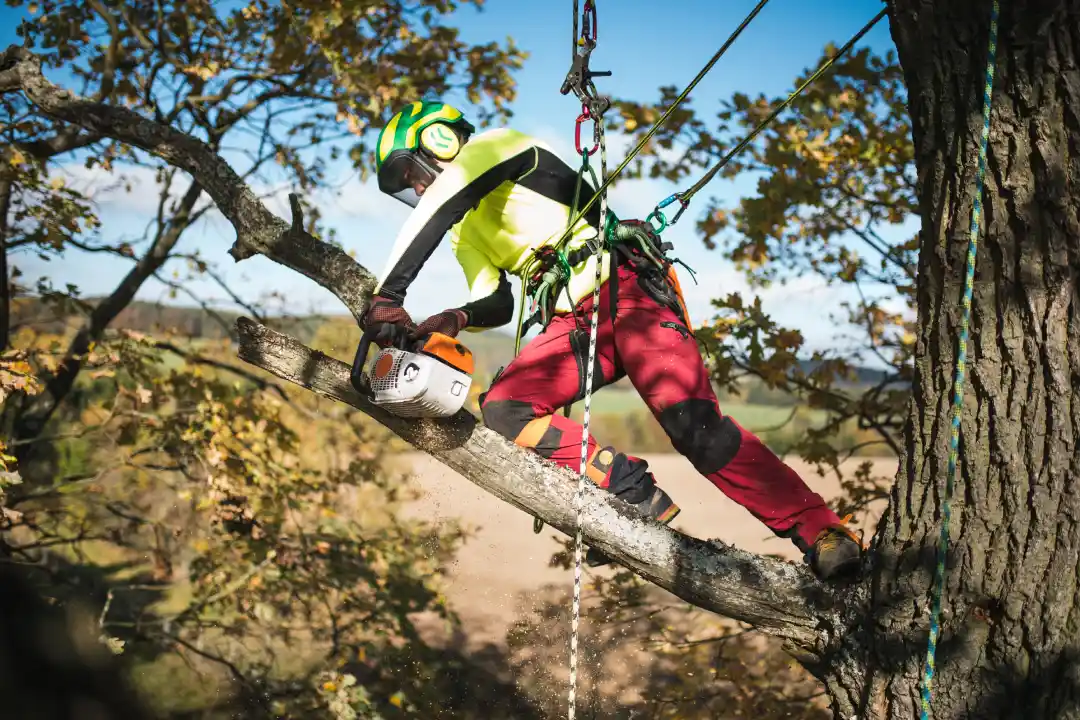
[585, 115]
[589, 9]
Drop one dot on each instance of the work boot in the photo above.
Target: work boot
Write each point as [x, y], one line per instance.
[836, 552]
[659, 507]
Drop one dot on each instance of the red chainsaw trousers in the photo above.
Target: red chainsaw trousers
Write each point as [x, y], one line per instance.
[648, 343]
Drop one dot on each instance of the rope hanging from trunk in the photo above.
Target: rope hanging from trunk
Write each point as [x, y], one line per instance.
[958, 387]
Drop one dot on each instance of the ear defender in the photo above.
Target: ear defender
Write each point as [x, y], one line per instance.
[440, 141]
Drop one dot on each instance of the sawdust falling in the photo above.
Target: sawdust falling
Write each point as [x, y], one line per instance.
[515, 608]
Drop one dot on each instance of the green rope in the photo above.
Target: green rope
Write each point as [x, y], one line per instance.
[961, 359]
[663, 118]
[684, 197]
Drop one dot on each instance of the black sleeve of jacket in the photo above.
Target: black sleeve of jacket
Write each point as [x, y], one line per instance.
[427, 239]
[495, 310]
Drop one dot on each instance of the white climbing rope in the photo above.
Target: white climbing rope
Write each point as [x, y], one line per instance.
[583, 477]
[595, 321]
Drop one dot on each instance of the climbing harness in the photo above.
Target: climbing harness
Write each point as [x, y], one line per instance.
[961, 361]
[550, 268]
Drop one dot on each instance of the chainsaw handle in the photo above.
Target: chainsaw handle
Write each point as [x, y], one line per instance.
[357, 378]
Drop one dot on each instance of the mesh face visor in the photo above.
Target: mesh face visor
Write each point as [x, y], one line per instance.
[402, 172]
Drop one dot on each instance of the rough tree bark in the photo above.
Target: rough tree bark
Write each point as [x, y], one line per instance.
[1009, 643]
[1009, 634]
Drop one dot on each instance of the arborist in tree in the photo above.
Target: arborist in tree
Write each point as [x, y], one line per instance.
[505, 198]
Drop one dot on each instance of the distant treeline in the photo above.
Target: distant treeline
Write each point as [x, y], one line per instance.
[492, 349]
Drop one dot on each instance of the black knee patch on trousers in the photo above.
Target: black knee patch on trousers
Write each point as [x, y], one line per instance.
[507, 417]
[699, 433]
[630, 480]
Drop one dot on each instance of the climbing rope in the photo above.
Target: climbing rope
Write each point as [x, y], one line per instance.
[575, 75]
[684, 197]
[579, 79]
[582, 479]
[961, 361]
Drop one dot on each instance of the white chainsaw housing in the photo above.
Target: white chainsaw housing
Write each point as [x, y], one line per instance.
[414, 384]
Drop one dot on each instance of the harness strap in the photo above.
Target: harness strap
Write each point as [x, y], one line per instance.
[629, 241]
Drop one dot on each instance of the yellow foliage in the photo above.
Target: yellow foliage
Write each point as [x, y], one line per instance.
[16, 375]
[203, 72]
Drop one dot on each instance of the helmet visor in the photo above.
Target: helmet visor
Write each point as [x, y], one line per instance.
[402, 174]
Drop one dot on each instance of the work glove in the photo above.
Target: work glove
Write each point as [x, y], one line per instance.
[448, 322]
[388, 323]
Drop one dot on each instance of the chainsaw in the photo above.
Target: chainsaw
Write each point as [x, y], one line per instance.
[429, 377]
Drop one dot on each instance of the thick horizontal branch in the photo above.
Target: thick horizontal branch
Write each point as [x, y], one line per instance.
[775, 596]
[257, 229]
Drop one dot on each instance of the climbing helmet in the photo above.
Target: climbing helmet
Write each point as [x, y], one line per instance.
[416, 136]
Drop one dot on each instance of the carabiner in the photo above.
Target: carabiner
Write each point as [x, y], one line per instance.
[585, 115]
[590, 8]
[663, 204]
[564, 263]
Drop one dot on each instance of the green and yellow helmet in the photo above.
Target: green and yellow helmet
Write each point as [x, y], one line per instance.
[419, 133]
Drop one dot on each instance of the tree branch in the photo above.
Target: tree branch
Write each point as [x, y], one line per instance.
[33, 419]
[65, 141]
[257, 229]
[776, 597]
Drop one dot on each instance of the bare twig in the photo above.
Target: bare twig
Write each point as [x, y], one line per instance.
[257, 229]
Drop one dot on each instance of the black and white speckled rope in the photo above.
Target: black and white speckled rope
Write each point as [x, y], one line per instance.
[595, 317]
[583, 478]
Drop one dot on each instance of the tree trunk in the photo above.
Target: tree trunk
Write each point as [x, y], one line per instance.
[5, 288]
[1009, 640]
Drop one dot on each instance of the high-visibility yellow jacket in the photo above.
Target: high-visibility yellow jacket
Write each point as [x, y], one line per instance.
[504, 195]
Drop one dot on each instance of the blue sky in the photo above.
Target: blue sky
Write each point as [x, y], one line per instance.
[642, 45]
